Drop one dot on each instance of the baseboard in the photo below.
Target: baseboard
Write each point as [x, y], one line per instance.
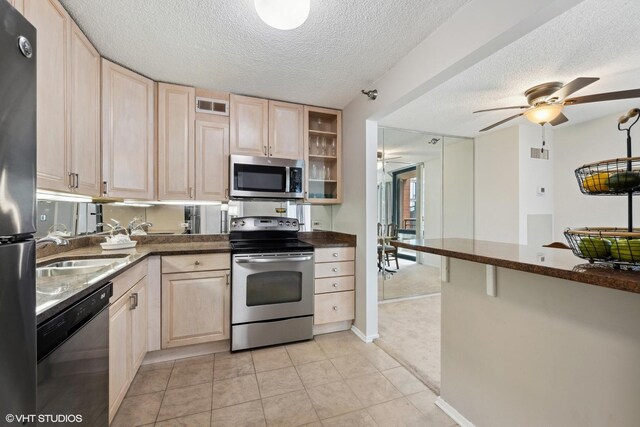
[328, 328]
[453, 413]
[186, 351]
[362, 336]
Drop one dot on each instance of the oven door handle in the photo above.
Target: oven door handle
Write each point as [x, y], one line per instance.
[263, 260]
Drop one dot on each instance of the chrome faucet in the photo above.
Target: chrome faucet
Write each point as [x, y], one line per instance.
[59, 241]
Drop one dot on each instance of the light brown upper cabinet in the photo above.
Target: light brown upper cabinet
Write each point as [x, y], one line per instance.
[68, 108]
[286, 130]
[53, 25]
[249, 120]
[176, 145]
[84, 97]
[212, 159]
[323, 155]
[128, 152]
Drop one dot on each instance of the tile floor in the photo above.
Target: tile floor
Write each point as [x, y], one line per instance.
[334, 380]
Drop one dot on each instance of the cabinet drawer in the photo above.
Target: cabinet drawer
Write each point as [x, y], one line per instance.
[335, 269]
[201, 262]
[125, 281]
[334, 307]
[335, 254]
[334, 284]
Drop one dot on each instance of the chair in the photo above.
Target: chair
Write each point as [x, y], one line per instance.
[392, 234]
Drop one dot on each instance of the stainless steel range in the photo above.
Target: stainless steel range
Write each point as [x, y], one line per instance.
[272, 286]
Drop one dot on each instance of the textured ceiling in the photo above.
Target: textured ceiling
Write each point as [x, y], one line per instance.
[222, 44]
[596, 38]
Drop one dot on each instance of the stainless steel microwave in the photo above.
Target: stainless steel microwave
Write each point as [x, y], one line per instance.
[266, 178]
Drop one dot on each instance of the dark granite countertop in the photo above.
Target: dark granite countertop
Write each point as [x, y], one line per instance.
[327, 239]
[559, 263]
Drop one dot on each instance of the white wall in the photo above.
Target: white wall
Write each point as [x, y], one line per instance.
[535, 173]
[578, 145]
[497, 186]
[458, 188]
[477, 30]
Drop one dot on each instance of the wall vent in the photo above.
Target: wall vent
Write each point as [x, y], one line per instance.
[537, 153]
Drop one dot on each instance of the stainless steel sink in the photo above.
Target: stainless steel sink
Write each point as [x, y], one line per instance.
[94, 262]
[66, 271]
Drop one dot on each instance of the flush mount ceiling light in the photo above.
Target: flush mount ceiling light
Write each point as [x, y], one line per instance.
[283, 14]
[543, 113]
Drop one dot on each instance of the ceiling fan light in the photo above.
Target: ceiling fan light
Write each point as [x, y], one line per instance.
[543, 113]
[283, 14]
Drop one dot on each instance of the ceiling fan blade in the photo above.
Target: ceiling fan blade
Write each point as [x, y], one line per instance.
[501, 122]
[559, 120]
[573, 86]
[608, 96]
[502, 108]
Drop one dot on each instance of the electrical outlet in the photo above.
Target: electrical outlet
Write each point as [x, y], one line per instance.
[43, 217]
[541, 191]
[315, 224]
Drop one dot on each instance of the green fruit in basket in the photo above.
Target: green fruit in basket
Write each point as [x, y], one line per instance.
[595, 247]
[622, 181]
[626, 250]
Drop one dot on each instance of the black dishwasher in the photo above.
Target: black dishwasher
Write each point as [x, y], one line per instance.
[73, 364]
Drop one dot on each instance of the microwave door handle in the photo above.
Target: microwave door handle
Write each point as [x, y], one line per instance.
[264, 260]
[287, 185]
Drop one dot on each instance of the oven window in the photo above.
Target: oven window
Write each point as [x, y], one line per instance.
[274, 287]
[259, 178]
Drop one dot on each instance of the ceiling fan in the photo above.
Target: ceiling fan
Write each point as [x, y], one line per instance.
[547, 100]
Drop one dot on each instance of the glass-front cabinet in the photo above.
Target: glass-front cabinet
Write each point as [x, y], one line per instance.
[323, 155]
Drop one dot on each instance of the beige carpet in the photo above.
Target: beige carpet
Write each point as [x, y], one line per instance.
[409, 280]
[410, 333]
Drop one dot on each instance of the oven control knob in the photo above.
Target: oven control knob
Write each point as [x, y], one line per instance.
[281, 223]
[288, 223]
[242, 223]
[234, 224]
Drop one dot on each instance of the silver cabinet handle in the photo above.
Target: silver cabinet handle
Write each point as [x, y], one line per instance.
[77, 180]
[274, 259]
[264, 149]
[270, 150]
[335, 308]
[132, 298]
[335, 255]
[135, 299]
[226, 193]
[228, 281]
[191, 192]
[197, 262]
[334, 269]
[335, 285]
[70, 180]
[105, 187]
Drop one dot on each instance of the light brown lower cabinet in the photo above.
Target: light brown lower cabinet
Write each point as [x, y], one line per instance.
[195, 305]
[127, 341]
[334, 285]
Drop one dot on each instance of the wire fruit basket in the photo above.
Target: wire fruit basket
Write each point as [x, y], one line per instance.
[605, 244]
[619, 247]
[610, 177]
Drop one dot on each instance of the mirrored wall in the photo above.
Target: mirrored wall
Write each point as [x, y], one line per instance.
[68, 219]
[425, 191]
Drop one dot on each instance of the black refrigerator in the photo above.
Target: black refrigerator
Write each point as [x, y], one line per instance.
[17, 215]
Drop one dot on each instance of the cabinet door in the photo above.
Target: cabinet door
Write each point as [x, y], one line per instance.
[128, 153]
[139, 325]
[176, 111]
[212, 160]
[249, 119]
[52, 23]
[286, 130]
[195, 308]
[84, 98]
[119, 352]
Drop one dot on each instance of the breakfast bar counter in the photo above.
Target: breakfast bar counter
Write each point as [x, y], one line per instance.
[535, 336]
[553, 262]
